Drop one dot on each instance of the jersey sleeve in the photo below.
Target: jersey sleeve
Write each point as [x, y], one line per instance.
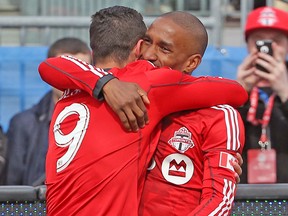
[223, 137]
[162, 84]
[182, 91]
[66, 72]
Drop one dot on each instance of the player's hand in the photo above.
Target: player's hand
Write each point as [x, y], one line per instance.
[237, 167]
[128, 101]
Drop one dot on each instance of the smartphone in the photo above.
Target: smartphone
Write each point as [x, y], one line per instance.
[264, 46]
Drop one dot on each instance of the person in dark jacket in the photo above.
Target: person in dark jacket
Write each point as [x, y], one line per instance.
[28, 130]
[265, 77]
[3, 148]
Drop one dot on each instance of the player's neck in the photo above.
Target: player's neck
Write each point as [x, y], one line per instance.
[108, 63]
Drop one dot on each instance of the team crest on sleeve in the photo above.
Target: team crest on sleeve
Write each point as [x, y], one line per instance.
[182, 140]
[177, 168]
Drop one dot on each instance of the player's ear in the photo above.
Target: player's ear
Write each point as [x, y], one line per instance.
[138, 48]
[135, 53]
[192, 63]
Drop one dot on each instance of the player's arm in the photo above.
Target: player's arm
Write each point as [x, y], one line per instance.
[224, 137]
[184, 92]
[67, 72]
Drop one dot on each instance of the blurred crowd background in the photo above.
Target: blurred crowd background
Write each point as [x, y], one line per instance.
[29, 27]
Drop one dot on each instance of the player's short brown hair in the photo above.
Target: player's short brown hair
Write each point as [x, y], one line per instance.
[114, 31]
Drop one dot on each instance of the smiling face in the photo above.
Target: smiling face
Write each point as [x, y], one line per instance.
[167, 43]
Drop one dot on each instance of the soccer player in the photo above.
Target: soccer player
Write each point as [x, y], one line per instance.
[191, 172]
[93, 165]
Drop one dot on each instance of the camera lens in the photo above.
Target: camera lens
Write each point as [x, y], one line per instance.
[264, 49]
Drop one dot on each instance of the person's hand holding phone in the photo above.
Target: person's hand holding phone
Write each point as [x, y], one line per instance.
[246, 71]
[277, 75]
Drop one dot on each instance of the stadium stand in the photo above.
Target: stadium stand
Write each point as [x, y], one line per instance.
[44, 21]
[20, 83]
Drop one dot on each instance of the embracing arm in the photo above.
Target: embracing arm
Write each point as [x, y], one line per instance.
[190, 92]
[177, 91]
[222, 141]
[67, 72]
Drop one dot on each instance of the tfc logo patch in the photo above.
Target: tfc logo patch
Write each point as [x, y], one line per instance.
[181, 140]
[177, 168]
[267, 17]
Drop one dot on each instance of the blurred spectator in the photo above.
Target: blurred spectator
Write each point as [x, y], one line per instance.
[259, 3]
[3, 147]
[28, 131]
[266, 113]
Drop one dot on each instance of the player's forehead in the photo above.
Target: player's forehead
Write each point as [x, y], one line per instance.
[164, 23]
[165, 30]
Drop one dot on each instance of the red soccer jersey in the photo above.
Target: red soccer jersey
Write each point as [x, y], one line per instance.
[93, 166]
[190, 173]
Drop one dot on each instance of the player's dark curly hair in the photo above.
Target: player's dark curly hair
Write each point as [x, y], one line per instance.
[114, 31]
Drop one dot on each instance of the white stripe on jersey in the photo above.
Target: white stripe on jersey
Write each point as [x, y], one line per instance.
[230, 115]
[85, 66]
[228, 198]
[236, 124]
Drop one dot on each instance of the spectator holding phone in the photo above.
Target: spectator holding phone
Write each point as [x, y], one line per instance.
[263, 73]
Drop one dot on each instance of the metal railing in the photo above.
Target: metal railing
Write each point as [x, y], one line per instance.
[251, 199]
[43, 26]
[86, 7]
[52, 17]
[42, 30]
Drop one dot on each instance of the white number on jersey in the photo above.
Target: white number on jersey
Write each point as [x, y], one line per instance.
[73, 139]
